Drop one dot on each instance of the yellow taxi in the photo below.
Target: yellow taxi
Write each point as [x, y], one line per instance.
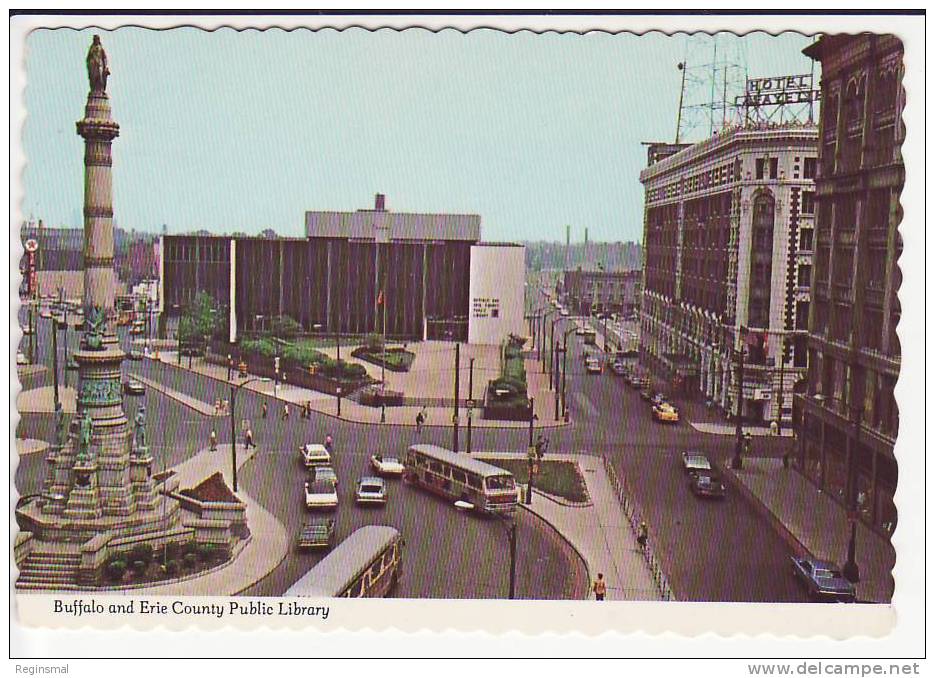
[665, 413]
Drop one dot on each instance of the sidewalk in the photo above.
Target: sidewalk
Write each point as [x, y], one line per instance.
[198, 405]
[355, 412]
[267, 547]
[600, 533]
[814, 524]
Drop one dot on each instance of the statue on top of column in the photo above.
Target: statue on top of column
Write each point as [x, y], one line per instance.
[97, 66]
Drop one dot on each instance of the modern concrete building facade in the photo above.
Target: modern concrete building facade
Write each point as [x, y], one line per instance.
[331, 280]
[728, 238]
[848, 417]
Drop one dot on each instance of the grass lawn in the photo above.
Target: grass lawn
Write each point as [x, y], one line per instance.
[560, 478]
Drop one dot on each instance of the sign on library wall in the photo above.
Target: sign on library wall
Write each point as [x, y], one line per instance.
[485, 308]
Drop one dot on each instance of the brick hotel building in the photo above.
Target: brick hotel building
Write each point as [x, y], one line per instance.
[728, 240]
[848, 414]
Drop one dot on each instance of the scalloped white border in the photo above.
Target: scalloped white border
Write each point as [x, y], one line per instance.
[619, 620]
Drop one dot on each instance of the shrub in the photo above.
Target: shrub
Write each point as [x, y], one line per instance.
[190, 559]
[173, 550]
[374, 342]
[142, 553]
[139, 567]
[302, 355]
[116, 569]
[285, 327]
[263, 347]
[172, 568]
[207, 552]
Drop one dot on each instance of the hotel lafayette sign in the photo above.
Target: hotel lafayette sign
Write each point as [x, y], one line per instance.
[779, 91]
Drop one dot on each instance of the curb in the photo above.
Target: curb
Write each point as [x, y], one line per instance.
[778, 526]
[169, 393]
[332, 415]
[587, 568]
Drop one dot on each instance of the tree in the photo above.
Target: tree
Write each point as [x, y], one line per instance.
[202, 320]
[285, 327]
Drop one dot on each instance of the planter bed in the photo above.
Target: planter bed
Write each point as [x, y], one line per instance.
[397, 359]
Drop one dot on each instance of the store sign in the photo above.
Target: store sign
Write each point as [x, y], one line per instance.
[485, 307]
[779, 91]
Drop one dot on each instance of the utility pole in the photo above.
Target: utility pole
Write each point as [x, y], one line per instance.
[554, 375]
[782, 383]
[55, 358]
[454, 418]
[233, 438]
[737, 461]
[470, 411]
[683, 66]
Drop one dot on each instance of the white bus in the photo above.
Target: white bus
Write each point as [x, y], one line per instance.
[368, 564]
[461, 477]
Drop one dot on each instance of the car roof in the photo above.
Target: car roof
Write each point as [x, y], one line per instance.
[318, 447]
[371, 480]
[323, 485]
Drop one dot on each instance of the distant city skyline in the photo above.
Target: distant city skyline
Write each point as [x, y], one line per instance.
[531, 132]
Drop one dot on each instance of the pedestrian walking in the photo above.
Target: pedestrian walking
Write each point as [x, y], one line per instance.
[308, 409]
[217, 407]
[285, 411]
[265, 410]
[329, 443]
[214, 440]
[599, 587]
[420, 420]
[248, 439]
[642, 535]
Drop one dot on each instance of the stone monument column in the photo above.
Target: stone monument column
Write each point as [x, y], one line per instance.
[101, 470]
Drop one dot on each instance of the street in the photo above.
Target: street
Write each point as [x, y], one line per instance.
[449, 554]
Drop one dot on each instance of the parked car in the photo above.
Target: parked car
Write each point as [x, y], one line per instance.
[314, 454]
[647, 394]
[21, 358]
[45, 314]
[695, 462]
[665, 413]
[317, 534]
[593, 366]
[71, 365]
[580, 331]
[706, 485]
[135, 355]
[371, 490]
[658, 399]
[823, 581]
[564, 313]
[325, 473]
[320, 494]
[619, 369]
[133, 387]
[138, 328]
[386, 466]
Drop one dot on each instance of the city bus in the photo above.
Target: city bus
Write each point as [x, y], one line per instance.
[368, 564]
[461, 477]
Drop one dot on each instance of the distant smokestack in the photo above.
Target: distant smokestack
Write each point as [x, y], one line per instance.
[380, 203]
[567, 244]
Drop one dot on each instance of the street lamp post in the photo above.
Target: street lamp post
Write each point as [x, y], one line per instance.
[230, 366]
[851, 569]
[552, 385]
[234, 389]
[64, 305]
[55, 358]
[543, 356]
[565, 370]
[470, 403]
[454, 417]
[737, 461]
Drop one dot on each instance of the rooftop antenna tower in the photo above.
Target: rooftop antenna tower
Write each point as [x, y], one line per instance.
[713, 74]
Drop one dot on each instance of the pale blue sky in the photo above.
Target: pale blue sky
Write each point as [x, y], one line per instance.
[247, 130]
